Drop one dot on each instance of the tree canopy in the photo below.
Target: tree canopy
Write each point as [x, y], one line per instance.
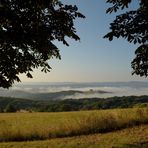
[28, 30]
[133, 26]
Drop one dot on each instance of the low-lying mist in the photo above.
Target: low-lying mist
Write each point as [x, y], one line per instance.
[75, 90]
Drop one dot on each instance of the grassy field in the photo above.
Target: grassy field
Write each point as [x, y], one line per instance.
[135, 137]
[42, 126]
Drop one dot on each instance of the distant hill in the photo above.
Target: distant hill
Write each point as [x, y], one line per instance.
[48, 96]
[60, 91]
[49, 105]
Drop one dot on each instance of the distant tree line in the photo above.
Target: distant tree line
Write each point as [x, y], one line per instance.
[15, 104]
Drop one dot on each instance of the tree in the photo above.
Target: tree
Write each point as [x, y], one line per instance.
[133, 26]
[28, 30]
[1, 110]
[10, 108]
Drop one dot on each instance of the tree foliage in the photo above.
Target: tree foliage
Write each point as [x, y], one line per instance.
[10, 108]
[133, 26]
[28, 30]
[15, 104]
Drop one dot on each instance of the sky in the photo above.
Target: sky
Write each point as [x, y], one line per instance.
[92, 59]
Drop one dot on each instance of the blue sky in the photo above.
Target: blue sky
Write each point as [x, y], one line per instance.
[93, 59]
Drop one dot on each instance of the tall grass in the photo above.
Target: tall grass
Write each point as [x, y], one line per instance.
[38, 126]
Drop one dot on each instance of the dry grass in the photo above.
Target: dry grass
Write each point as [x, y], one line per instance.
[136, 137]
[39, 126]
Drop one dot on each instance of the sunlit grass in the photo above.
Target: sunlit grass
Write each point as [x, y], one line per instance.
[39, 126]
[136, 137]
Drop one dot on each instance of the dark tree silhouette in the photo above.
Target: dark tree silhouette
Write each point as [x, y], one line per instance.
[133, 26]
[28, 30]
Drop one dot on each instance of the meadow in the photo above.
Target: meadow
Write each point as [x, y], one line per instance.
[43, 126]
[133, 137]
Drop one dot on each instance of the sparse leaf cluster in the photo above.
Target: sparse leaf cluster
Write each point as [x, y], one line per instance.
[133, 26]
